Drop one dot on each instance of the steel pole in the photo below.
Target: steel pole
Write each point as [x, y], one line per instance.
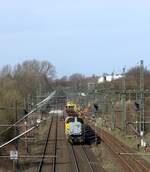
[142, 97]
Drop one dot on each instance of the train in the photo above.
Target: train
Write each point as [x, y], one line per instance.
[74, 129]
[70, 108]
[74, 124]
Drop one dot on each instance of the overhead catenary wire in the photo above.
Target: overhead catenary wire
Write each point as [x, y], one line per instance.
[36, 125]
[32, 128]
[39, 105]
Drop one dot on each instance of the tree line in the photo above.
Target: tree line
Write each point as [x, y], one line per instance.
[19, 82]
[22, 80]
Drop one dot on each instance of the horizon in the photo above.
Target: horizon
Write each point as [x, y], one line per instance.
[76, 36]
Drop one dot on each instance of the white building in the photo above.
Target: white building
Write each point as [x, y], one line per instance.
[108, 78]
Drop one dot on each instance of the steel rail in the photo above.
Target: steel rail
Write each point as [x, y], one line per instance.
[27, 156]
[119, 157]
[55, 146]
[45, 146]
[130, 157]
[108, 139]
[75, 159]
[87, 158]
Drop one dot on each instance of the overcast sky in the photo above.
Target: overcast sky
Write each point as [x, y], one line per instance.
[77, 36]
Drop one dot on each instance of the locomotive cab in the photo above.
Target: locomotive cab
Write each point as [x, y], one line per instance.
[74, 129]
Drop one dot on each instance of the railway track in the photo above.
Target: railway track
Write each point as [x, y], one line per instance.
[55, 147]
[88, 160]
[129, 161]
[75, 160]
[82, 161]
[64, 156]
[50, 146]
[45, 147]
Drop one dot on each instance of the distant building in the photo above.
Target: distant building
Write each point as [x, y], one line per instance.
[82, 94]
[108, 78]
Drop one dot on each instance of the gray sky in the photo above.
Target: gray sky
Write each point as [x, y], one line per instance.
[84, 36]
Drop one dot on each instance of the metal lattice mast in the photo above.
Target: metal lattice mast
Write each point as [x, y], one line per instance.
[141, 96]
[123, 101]
[113, 103]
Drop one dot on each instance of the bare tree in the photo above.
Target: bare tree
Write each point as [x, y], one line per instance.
[32, 74]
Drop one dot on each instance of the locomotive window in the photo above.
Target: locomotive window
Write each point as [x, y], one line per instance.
[70, 120]
[80, 120]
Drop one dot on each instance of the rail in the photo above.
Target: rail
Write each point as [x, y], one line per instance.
[78, 168]
[55, 146]
[75, 159]
[136, 165]
[45, 147]
[130, 162]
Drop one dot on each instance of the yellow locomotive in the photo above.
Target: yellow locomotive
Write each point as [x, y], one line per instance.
[74, 129]
[72, 109]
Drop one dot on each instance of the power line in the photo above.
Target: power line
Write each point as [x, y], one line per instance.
[39, 105]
